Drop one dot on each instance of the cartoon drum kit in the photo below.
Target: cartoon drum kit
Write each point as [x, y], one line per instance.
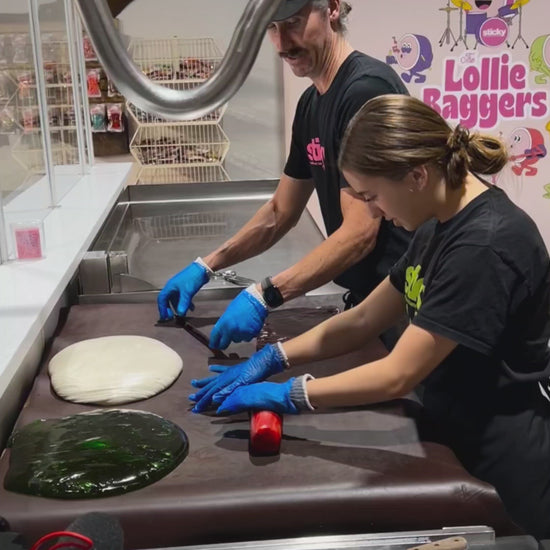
[474, 20]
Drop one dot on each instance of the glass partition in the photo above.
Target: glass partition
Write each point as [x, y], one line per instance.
[44, 135]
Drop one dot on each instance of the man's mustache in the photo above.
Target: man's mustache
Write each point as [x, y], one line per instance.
[290, 53]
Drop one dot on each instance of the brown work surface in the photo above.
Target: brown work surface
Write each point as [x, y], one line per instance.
[347, 471]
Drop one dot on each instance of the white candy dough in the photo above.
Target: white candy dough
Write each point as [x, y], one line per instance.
[113, 370]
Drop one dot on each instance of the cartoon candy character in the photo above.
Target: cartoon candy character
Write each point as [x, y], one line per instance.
[483, 4]
[413, 53]
[526, 148]
[539, 58]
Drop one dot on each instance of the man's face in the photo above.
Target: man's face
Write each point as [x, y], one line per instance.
[303, 40]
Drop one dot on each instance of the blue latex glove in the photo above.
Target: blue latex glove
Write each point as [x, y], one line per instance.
[179, 291]
[260, 366]
[263, 396]
[242, 320]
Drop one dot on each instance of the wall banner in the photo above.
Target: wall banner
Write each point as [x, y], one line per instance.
[484, 64]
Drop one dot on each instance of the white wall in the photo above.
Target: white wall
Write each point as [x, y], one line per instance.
[254, 118]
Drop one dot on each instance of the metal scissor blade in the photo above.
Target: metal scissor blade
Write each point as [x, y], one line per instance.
[231, 277]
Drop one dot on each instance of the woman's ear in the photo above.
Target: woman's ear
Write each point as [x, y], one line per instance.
[334, 10]
[418, 177]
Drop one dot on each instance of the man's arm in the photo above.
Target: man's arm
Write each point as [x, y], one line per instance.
[355, 238]
[351, 242]
[266, 227]
[270, 223]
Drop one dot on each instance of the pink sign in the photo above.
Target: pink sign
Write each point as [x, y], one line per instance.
[28, 243]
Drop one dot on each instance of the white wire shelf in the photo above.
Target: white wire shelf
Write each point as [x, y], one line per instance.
[154, 175]
[176, 58]
[144, 118]
[178, 151]
[180, 145]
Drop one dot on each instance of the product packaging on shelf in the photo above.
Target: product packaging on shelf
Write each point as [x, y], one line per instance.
[114, 118]
[97, 117]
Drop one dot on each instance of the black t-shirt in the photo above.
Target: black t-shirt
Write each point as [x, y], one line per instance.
[482, 279]
[318, 128]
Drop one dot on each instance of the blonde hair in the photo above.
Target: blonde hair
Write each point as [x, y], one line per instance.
[392, 134]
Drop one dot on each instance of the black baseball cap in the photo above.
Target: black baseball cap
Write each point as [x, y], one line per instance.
[288, 8]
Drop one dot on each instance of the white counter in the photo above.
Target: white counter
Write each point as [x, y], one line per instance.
[29, 290]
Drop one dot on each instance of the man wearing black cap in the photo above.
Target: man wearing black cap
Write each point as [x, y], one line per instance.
[289, 8]
[309, 35]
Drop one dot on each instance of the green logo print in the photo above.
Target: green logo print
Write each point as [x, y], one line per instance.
[547, 189]
[414, 287]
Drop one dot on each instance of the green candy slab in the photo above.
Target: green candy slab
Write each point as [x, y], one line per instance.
[95, 454]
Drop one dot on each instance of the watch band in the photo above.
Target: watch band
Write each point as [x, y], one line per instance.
[272, 295]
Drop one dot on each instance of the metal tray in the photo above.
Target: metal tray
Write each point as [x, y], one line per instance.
[154, 231]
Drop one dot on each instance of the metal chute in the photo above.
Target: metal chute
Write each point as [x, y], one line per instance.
[166, 102]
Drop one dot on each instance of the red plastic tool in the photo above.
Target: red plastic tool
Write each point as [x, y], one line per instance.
[266, 430]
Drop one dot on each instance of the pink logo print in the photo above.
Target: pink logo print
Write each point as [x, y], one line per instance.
[316, 153]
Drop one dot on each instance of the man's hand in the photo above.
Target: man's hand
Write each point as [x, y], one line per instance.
[179, 291]
[263, 396]
[260, 366]
[242, 320]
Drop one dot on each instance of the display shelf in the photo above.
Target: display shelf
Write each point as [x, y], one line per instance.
[52, 129]
[35, 106]
[106, 103]
[58, 85]
[143, 118]
[193, 59]
[19, 114]
[187, 151]
[8, 111]
[180, 145]
[107, 108]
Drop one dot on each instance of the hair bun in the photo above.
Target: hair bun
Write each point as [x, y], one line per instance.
[345, 8]
[459, 139]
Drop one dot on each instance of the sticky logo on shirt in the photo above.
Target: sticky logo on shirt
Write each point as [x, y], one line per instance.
[414, 287]
[316, 153]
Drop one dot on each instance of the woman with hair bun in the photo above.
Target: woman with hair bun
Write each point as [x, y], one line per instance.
[475, 282]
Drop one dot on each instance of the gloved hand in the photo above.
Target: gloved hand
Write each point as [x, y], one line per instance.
[263, 396]
[260, 366]
[242, 320]
[180, 289]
